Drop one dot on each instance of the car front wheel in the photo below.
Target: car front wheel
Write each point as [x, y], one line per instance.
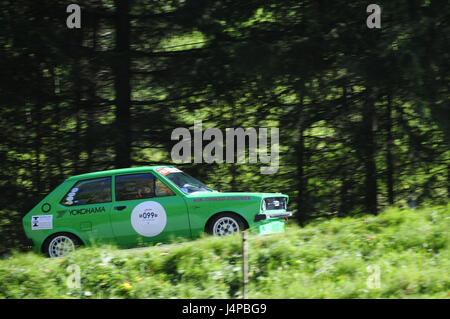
[225, 224]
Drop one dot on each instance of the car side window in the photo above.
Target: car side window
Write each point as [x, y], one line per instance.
[135, 186]
[162, 189]
[91, 191]
[140, 186]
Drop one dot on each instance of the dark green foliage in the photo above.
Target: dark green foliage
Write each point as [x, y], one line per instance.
[326, 259]
[363, 113]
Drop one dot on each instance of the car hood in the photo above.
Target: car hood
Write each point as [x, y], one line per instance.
[234, 194]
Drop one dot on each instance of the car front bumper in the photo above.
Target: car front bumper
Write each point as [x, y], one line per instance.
[261, 217]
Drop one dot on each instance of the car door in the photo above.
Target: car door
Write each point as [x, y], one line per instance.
[146, 210]
[86, 208]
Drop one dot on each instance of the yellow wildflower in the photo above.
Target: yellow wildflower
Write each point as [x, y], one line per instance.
[127, 285]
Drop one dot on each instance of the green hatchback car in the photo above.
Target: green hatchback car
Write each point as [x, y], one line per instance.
[135, 206]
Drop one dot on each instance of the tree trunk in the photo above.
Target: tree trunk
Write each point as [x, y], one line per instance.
[90, 114]
[122, 85]
[369, 155]
[58, 133]
[346, 181]
[389, 157]
[302, 214]
[37, 149]
[76, 140]
[345, 200]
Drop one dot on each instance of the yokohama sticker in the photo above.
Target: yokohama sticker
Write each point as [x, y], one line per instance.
[149, 218]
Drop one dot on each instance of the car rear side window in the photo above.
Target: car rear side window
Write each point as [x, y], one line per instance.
[138, 186]
[91, 191]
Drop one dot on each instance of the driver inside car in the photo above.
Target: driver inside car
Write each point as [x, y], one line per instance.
[162, 190]
[146, 191]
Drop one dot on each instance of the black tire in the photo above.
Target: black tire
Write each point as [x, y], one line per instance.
[59, 244]
[224, 224]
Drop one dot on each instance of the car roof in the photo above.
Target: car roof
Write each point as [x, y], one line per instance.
[130, 170]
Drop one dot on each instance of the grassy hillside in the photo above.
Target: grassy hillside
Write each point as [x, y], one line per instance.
[337, 258]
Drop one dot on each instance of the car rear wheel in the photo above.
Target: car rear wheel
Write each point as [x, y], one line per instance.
[61, 244]
[225, 224]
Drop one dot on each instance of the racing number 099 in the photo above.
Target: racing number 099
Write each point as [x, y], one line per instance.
[146, 215]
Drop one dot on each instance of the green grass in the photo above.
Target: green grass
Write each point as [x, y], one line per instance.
[326, 259]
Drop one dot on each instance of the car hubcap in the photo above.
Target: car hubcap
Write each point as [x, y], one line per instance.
[60, 246]
[225, 226]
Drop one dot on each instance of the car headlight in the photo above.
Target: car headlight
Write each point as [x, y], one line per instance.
[272, 203]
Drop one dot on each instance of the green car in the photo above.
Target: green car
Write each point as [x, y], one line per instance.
[134, 206]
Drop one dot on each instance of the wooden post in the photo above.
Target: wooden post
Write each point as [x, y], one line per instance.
[244, 265]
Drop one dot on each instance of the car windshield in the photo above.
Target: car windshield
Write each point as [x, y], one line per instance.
[187, 184]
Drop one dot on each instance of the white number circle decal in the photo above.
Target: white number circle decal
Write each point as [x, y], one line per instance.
[149, 218]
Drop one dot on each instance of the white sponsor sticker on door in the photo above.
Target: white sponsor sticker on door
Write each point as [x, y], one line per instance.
[41, 222]
[149, 218]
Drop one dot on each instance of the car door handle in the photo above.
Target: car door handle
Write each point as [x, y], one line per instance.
[120, 207]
